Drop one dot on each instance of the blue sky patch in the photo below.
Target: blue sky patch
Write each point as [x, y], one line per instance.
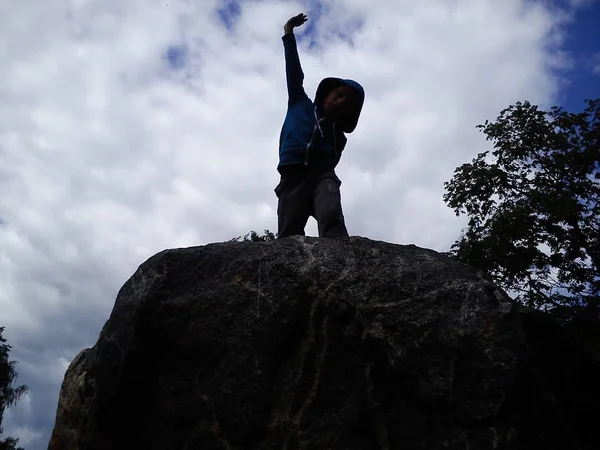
[176, 56]
[229, 13]
[583, 44]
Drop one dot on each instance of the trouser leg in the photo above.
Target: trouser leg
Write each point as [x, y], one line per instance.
[327, 204]
[294, 207]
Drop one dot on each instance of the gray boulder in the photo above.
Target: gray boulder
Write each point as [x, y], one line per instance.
[308, 343]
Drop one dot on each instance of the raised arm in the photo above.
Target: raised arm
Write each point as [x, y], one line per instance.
[293, 69]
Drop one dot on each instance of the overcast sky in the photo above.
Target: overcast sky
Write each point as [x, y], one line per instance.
[128, 127]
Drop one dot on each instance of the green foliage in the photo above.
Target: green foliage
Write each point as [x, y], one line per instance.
[8, 395]
[534, 207]
[253, 236]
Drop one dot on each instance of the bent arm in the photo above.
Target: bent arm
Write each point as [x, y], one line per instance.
[293, 69]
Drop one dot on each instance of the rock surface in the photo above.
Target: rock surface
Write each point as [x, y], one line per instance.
[307, 343]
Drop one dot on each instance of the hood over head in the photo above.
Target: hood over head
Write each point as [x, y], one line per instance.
[327, 85]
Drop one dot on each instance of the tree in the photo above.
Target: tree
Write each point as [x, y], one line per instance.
[253, 236]
[8, 395]
[534, 207]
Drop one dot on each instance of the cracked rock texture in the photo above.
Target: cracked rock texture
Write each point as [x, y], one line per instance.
[308, 343]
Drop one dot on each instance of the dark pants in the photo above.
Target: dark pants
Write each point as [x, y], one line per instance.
[305, 192]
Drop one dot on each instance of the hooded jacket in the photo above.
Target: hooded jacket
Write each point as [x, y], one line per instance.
[307, 137]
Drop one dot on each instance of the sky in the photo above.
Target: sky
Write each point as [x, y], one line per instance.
[130, 127]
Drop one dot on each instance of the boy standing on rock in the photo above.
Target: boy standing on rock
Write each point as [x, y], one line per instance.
[310, 146]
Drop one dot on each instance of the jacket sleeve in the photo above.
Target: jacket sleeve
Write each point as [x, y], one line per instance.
[293, 70]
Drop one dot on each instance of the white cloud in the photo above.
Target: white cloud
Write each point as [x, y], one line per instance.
[108, 156]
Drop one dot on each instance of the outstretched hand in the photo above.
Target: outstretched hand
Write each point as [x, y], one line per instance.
[294, 22]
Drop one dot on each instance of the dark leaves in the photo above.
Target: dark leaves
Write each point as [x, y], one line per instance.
[8, 395]
[533, 204]
[253, 236]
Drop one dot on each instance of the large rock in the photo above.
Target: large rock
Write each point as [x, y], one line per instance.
[307, 343]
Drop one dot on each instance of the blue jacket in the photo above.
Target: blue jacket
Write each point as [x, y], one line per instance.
[307, 137]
